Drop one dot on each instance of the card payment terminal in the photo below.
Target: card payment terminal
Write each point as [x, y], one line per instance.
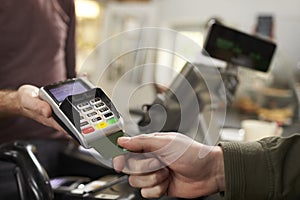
[87, 114]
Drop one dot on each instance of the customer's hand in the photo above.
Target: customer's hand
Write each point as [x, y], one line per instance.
[31, 106]
[177, 165]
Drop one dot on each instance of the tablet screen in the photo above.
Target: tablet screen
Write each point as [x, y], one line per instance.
[239, 48]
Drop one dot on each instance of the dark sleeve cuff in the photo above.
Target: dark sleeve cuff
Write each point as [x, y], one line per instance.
[248, 174]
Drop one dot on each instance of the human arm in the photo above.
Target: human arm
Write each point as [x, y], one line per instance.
[25, 102]
[177, 165]
[266, 169]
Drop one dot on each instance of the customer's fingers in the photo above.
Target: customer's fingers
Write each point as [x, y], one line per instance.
[146, 142]
[119, 163]
[137, 164]
[167, 147]
[149, 179]
[156, 191]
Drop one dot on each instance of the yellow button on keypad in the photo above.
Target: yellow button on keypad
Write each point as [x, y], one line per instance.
[101, 125]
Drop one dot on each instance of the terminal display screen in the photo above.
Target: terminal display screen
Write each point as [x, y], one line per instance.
[239, 48]
[60, 92]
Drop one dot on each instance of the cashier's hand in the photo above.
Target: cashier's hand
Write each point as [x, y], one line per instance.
[171, 164]
[31, 106]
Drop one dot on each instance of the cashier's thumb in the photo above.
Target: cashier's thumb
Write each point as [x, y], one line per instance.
[31, 103]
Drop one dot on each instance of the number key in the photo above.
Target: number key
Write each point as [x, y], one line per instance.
[103, 109]
[84, 123]
[93, 101]
[96, 119]
[83, 105]
[107, 115]
[91, 114]
[99, 105]
[87, 109]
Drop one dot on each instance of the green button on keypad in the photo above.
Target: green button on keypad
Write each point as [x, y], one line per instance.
[112, 120]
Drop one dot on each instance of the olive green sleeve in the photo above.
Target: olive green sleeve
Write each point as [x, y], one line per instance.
[266, 169]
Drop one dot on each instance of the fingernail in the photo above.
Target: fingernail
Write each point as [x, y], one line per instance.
[124, 139]
[117, 165]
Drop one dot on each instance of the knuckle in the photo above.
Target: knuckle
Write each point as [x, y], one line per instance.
[155, 177]
[154, 192]
[132, 181]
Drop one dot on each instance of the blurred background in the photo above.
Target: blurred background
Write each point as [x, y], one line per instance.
[147, 56]
[271, 96]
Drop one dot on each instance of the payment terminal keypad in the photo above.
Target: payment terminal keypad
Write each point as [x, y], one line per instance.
[95, 115]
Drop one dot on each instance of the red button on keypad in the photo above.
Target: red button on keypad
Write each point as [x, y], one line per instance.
[88, 130]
